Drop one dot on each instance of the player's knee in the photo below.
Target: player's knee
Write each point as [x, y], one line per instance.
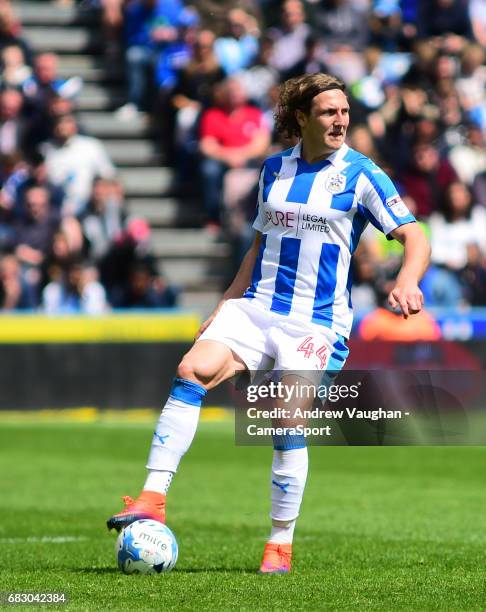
[186, 370]
[196, 369]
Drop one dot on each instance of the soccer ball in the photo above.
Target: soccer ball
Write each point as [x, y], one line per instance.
[146, 547]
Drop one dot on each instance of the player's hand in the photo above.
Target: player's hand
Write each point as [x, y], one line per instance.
[407, 297]
[209, 320]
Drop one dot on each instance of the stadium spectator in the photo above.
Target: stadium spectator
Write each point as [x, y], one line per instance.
[33, 234]
[419, 76]
[169, 61]
[149, 26]
[41, 123]
[427, 178]
[361, 139]
[176, 54]
[238, 48]
[46, 96]
[45, 82]
[386, 26]
[15, 293]
[364, 287]
[133, 245]
[14, 70]
[63, 250]
[76, 291]
[12, 124]
[73, 161]
[233, 135]
[145, 289]
[14, 173]
[341, 24]
[10, 31]
[473, 276]
[310, 62]
[196, 78]
[343, 31]
[451, 119]
[290, 38]
[471, 84]
[479, 188]
[444, 17]
[453, 229]
[192, 94]
[260, 79]
[34, 171]
[102, 222]
[469, 159]
[112, 26]
[34, 231]
[477, 15]
[456, 225]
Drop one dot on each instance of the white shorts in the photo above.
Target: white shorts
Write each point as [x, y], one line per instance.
[267, 340]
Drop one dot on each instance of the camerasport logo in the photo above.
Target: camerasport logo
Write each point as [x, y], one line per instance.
[397, 206]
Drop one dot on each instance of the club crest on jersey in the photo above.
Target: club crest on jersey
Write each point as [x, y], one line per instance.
[335, 183]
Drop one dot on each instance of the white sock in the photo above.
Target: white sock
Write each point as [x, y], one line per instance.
[158, 480]
[289, 474]
[176, 427]
[282, 535]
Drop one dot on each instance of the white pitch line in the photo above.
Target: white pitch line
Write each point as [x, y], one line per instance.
[43, 540]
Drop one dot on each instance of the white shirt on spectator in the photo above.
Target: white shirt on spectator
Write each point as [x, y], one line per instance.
[467, 161]
[92, 301]
[74, 165]
[449, 240]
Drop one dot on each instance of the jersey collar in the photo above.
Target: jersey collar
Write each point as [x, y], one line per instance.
[335, 158]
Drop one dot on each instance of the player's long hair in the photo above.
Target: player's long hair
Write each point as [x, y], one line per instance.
[296, 94]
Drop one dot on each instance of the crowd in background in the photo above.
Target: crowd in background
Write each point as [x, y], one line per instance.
[67, 244]
[208, 73]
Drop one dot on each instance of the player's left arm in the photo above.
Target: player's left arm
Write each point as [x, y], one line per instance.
[406, 294]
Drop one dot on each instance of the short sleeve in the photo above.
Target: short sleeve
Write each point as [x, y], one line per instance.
[381, 203]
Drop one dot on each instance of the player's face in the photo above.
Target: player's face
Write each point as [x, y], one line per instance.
[324, 128]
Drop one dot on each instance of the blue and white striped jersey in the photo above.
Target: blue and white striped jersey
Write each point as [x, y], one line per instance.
[311, 217]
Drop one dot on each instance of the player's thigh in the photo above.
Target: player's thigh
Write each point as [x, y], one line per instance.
[243, 329]
[209, 363]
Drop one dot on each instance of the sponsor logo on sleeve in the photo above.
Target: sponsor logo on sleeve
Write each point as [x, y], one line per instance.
[397, 206]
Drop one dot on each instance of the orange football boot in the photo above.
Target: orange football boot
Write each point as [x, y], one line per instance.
[277, 559]
[148, 505]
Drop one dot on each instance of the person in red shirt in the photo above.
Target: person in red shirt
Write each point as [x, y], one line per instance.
[427, 178]
[233, 134]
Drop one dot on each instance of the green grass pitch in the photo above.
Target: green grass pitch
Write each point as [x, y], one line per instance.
[380, 528]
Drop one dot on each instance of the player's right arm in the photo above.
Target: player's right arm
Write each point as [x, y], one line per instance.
[240, 283]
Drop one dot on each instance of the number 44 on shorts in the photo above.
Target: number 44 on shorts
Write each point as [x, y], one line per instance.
[307, 347]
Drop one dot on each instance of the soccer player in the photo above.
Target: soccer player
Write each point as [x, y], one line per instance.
[290, 302]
